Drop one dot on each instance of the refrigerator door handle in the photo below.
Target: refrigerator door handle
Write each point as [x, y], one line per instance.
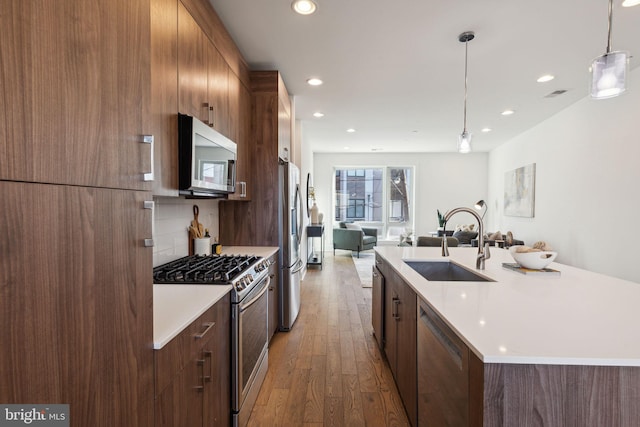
[299, 265]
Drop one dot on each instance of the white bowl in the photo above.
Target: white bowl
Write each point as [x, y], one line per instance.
[533, 260]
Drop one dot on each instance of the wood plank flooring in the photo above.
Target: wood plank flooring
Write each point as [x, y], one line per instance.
[328, 370]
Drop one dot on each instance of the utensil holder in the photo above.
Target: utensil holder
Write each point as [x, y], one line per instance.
[202, 246]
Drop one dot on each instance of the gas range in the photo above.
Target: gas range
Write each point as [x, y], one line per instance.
[241, 271]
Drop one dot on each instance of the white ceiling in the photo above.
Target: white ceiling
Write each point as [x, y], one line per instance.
[394, 70]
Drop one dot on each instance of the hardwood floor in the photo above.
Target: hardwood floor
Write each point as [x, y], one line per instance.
[328, 370]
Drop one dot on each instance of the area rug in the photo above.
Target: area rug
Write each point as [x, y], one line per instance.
[363, 266]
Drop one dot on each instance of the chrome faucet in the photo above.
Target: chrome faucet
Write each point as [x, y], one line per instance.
[483, 251]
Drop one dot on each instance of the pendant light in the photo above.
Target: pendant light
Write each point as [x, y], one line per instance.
[609, 71]
[464, 140]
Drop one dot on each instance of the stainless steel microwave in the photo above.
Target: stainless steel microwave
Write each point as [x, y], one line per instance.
[206, 159]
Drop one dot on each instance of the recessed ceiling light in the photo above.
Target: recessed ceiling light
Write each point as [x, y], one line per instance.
[351, 130]
[304, 7]
[314, 81]
[507, 112]
[346, 148]
[629, 3]
[318, 114]
[485, 130]
[545, 78]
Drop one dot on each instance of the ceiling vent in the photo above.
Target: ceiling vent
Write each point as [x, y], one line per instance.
[556, 93]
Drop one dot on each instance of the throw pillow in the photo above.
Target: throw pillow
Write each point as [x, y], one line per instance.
[464, 237]
[352, 226]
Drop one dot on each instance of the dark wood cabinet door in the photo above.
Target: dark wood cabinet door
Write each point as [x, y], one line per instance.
[164, 95]
[76, 301]
[240, 129]
[406, 350]
[192, 67]
[181, 404]
[218, 90]
[217, 359]
[377, 306]
[75, 92]
[391, 303]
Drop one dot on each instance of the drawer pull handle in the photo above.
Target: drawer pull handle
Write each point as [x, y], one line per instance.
[208, 326]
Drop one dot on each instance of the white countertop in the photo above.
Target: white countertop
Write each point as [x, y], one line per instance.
[577, 318]
[176, 306]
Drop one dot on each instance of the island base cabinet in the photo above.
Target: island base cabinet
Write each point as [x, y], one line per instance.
[377, 301]
[400, 338]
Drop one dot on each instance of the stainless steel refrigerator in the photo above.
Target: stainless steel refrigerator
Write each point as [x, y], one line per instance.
[290, 225]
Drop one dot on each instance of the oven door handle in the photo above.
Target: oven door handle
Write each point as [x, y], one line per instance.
[265, 288]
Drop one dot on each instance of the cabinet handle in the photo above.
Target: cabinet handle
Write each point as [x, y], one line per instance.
[243, 188]
[148, 243]
[394, 313]
[208, 326]
[149, 139]
[210, 116]
[200, 387]
[208, 355]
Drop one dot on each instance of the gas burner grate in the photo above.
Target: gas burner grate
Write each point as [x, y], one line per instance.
[199, 269]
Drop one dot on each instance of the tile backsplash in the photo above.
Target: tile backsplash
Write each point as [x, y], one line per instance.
[171, 219]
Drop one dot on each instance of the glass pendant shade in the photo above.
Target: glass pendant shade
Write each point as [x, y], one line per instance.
[464, 142]
[609, 75]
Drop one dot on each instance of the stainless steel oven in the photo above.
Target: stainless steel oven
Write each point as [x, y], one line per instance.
[249, 338]
[250, 280]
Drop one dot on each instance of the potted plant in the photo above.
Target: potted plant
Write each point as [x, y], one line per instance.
[441, 221]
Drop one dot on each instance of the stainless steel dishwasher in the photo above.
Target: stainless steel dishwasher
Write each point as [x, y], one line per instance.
[443, 372]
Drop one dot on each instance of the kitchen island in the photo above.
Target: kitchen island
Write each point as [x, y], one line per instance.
[533, 350]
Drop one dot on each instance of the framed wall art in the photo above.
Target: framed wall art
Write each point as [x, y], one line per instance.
[519, 191]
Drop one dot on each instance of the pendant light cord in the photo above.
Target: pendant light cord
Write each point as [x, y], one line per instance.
[464, 124]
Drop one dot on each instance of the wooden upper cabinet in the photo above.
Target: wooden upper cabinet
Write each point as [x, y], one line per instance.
[240, 131]
[192, 67]
[218, 90]
[75, 88]
[164, 95]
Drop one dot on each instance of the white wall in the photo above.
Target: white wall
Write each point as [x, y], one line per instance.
[443, 181]
[171, 219]
[587, 196]
[306, 167]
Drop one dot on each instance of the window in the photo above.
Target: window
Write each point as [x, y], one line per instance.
[378, 197]
[358, 194]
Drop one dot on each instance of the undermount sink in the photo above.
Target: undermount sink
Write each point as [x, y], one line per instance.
[445, 271]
